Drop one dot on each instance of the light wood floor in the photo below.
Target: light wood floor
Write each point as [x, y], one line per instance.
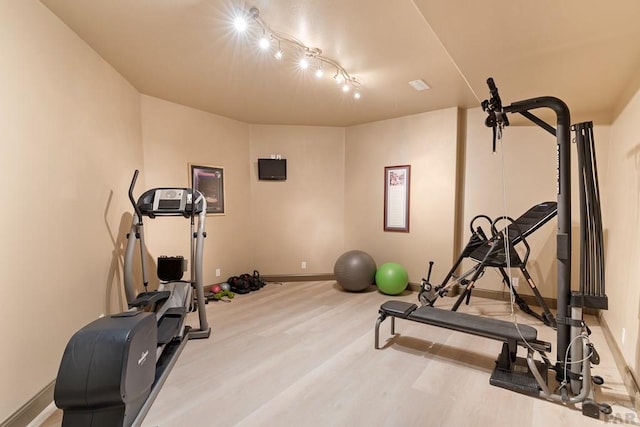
[301, 354]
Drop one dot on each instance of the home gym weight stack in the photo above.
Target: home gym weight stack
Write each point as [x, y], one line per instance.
[113, 368]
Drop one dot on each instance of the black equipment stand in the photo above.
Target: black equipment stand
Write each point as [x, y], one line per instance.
[490, 252]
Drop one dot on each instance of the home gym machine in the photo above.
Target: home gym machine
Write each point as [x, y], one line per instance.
[573, 382]
[113, 368]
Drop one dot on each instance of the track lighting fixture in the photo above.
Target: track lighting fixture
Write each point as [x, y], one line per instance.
[307, 55]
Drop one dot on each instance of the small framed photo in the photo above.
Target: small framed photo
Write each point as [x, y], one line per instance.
[209, 180]
[396, 198]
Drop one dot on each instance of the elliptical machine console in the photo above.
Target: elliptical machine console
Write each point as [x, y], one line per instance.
[113, 369]
[170, 202]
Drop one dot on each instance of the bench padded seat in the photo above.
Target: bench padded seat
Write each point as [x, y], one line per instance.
[482, 326]
[399, 309]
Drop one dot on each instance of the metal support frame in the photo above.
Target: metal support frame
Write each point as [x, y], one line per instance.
[572, 333]
[563, 235]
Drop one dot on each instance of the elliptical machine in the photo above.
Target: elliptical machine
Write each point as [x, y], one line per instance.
[108, 375]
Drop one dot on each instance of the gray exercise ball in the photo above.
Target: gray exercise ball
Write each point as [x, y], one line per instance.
[355, 271]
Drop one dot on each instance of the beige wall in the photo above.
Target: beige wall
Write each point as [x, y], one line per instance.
[302, 218]
[621, 196]
[273, 226]
[175, 136]
[70, 132]
[261, 216]
[525, 161]
[428, 142]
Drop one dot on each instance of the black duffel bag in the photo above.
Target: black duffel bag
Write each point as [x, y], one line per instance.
[239, 285]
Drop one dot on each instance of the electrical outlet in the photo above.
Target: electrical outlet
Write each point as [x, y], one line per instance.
[516, 282]
[303, 265]
[217, 272]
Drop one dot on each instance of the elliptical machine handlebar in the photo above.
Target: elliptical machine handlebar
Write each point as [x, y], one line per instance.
[131, 198]
[137, 228]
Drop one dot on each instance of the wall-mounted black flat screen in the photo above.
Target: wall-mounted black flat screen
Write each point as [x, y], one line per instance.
[272, 169]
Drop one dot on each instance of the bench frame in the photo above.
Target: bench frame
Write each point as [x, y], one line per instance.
[515, 335]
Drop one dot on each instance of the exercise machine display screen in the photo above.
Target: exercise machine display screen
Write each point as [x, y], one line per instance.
[171, 200]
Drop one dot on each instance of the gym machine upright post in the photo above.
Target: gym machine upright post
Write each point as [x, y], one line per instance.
[113, 368]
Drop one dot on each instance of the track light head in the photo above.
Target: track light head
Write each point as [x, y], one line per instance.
[240, 23]
[265, 43]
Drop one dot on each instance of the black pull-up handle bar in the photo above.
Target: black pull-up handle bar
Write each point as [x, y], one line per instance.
[493, 90]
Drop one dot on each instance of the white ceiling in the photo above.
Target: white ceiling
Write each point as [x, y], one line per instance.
[585, 52]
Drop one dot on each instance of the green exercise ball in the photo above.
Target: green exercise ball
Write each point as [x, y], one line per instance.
[392, 278]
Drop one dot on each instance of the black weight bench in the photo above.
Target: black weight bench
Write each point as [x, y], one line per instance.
[511, 335]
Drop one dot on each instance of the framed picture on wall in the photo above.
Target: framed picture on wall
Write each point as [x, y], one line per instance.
[209, 180]
[396, 198]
